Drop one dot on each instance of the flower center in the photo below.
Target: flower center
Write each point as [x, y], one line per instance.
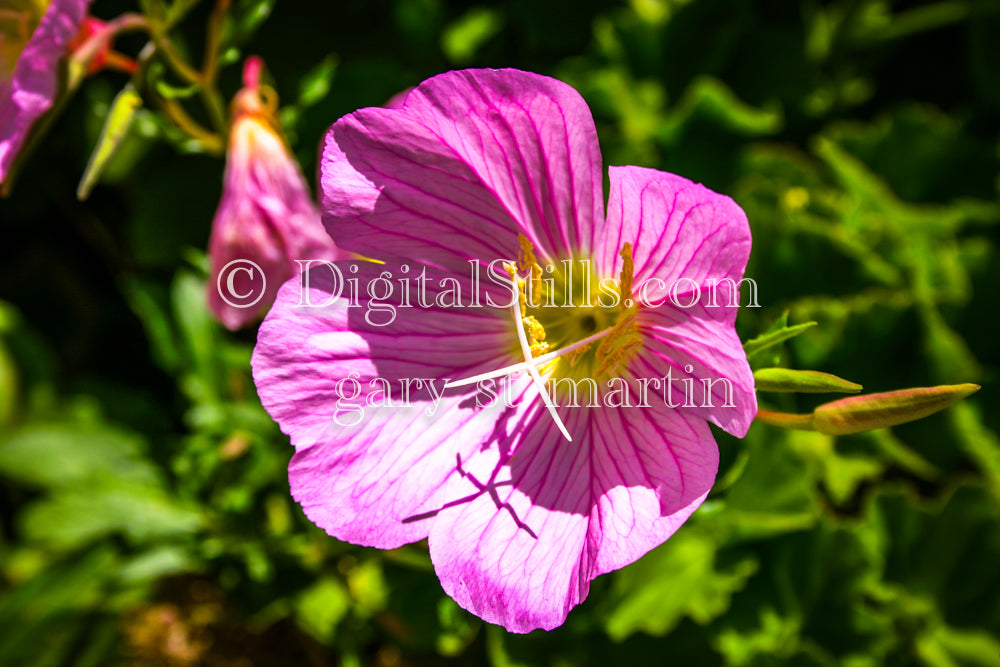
[564, 304]
[569, 325]
[18, 20]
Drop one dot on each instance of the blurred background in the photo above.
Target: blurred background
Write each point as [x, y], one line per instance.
[145, 516]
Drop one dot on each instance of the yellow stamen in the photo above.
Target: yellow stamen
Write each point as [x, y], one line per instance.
[536, 336]
[519, 285]
[618, 347]
[535, 329]
[527, 262]
[626, 277]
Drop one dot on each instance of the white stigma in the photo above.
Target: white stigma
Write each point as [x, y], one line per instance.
[530, 363]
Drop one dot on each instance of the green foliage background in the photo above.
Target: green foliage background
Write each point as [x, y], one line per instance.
[145, 517]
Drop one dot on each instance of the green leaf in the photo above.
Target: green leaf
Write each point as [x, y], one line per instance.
[458, 628]
[171, 92]
[775, 493]
[321, 607]
[771, 338]
[246, 18]
[367, 585]
[840, 473]
[949, 647]
[9, 384]
[462, 39]
[314, 86]
[201, 336]
[149, 305]
[945, 552]
[158, 562]
[711, 97]
[99, 483]
[979, 442]
[42, 622]
[676, 580]
[73, 517]
[73, 454]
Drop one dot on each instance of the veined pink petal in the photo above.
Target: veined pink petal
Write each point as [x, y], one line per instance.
[691, 247]
[29, 93]
[398, 467]
[563, 513]
[681, 232]
[471, 159]
[361, 450]
[719, 386]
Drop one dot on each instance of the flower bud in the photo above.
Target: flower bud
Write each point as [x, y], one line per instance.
[872, 411]
[804, 382]
[114, 132]
[266, 218]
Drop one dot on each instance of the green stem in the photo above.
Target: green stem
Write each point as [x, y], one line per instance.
[172, 57]
[212, 142]
[209, 93]
[786, 420]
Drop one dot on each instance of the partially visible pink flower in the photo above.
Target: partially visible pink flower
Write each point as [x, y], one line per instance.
[32, 45]
[398, 100]
[266, 215]
[525, 501]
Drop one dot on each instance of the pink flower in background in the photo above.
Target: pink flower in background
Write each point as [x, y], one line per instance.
[523, 497]
[266, 215]
[33, 41]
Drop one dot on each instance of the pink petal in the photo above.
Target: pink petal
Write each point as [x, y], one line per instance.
[654, 466]
[698, 350]
[564, 513]
[680, 231]
[397, 100]
[36, 76]
[362, 481]
[471, 159]
[694, 240]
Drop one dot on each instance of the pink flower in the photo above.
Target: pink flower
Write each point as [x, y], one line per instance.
[524, 497]
[266, 219]
[32, 45]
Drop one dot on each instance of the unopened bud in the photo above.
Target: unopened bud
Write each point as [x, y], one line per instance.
[865, 413]
[116, 126]
[804, 382]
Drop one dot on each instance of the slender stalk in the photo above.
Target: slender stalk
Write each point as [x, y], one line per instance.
[172, 57]
[212, 142]
[786, 420]
[210, 96]
[213, 39]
